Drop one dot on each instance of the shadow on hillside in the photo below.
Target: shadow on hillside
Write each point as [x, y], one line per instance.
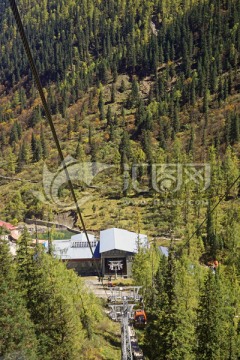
[112, 339]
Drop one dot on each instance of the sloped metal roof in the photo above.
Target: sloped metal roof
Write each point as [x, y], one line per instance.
[120, 239]
[70, 249]
[164, 250]
[82, 237]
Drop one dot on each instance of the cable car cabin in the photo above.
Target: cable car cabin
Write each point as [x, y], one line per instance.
[140, 318]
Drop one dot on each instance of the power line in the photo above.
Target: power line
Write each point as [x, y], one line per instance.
[211, 211]
[46, 108]
[48, 115]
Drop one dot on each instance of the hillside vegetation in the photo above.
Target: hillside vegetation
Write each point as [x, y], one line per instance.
[46, 311]
[131, 85]
[145, 101]
[193, 310]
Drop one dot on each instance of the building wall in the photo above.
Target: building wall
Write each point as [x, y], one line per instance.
[86, 267]
[129, 265]
[124, 256]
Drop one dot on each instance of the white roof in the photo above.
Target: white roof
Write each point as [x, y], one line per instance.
[70, 249]
[164, 250]
[121, 239]
[82, 237]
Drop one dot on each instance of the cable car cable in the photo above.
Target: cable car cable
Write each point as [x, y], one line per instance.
[211, 211]
[49, 117]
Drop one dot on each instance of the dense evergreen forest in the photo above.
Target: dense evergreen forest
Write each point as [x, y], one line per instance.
[128, 84]
[193, 311]
[46, 311]
[135, 86]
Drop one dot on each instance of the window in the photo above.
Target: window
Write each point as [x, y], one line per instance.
[83, 244]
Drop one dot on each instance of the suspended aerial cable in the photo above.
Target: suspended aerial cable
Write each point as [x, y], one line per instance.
[49, 117]
[211, 211]
[46, 108]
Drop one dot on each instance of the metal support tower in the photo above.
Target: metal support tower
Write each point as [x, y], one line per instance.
[121, 304]
[126, 340]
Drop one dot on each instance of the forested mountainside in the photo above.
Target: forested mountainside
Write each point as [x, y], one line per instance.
[145, 101]
[133, 85]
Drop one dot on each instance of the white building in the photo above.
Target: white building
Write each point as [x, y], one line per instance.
[77, 253]
[119, 245]
[115, 245]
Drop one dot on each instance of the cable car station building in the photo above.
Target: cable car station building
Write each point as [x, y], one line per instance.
[117, 248]
[76, 252]
[112, 254]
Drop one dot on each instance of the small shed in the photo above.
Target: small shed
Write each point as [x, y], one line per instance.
[119, 245]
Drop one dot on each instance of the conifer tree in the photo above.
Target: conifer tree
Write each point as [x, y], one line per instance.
[113, 93]
[36, 149]
[93, 154]
[69, 129]
[109, 116]
[35, 118]
[77, 117]
[46, 285]
[15, 208]
[230, 172]
[146, 144]
[193, 89]
[43, 144]
[124, 149]
[17, 337]
[15, 133]
[234, 128]
[33, 144]
[80, 152]
[206, 105]
[209, 323]
[122, 87]
[191, 141]
[133, 97]
[212, 240]
[23, 156]
[171, 332]
[101, 106]
[11, 163]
